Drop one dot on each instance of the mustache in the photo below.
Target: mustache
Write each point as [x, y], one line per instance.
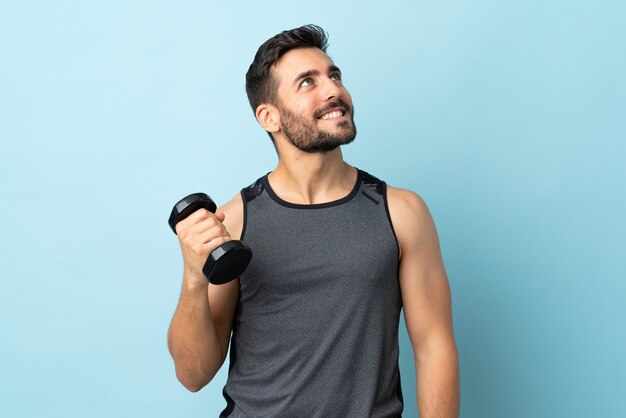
[332, 105]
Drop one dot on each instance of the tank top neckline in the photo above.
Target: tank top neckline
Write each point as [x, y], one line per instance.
[341, 201]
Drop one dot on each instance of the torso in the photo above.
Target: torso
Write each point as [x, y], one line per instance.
[315, 331]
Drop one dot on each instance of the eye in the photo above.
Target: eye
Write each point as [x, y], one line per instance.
[306, 82]
[335, 76]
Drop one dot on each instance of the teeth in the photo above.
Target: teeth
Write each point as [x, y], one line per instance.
[333, 115]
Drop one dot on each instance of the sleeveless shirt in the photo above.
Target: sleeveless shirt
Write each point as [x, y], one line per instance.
[315, 332]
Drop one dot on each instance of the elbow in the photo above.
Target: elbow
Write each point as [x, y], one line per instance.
[196, 377]
[194, 371]
[192, 384]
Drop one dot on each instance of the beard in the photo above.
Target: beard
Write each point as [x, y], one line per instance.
[304, 134]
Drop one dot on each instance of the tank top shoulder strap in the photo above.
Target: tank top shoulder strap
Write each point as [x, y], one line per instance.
[253, 191]
[372, 183]
[372, 188]
[376, 190]
[248, 194]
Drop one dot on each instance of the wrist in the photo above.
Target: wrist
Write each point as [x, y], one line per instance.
[194, 281]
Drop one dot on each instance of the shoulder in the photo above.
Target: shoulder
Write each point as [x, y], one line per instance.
[235, 210]
[411, 219]
[406, 207]
[405, 200]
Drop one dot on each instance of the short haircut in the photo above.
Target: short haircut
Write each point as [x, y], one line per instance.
[261, 87]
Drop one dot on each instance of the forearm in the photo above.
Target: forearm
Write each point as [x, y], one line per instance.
[192, 339]
[438, 383]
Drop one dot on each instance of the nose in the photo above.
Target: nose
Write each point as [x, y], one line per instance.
[330, 89]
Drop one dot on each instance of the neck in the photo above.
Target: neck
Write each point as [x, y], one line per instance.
[304, 178]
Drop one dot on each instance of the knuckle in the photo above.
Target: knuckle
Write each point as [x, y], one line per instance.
[217, 242]
[197, 249]
[202, 212]
[181, 225]
[183, 234]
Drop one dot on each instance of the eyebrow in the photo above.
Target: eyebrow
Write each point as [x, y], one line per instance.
[311, 73]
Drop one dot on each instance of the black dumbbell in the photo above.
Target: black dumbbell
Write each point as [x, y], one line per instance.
[227, 261]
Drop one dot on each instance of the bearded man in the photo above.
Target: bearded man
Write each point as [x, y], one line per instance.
[313, 322]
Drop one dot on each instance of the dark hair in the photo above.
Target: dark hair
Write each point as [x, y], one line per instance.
[260, 85]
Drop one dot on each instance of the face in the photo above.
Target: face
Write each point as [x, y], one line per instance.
[315, 109]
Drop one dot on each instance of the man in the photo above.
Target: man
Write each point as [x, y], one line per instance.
[337, 254]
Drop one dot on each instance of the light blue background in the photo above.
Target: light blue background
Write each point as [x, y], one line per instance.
[508, 118]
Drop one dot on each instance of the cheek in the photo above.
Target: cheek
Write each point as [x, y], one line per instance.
[302, 107]
[308, 107]
[299, 108]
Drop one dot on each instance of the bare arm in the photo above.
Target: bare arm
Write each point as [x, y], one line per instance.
[199, 333]
[427, 306]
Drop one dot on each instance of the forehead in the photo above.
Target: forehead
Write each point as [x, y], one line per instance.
[299, 60]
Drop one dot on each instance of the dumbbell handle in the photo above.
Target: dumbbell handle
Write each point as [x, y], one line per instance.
[227, 261]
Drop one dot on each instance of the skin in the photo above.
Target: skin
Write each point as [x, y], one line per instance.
[200, 330]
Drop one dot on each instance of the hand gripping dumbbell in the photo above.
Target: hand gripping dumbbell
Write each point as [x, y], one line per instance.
[227, 261]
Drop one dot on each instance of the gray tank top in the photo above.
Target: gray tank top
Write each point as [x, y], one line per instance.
[315, 332]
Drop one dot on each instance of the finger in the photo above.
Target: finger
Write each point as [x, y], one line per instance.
[220, 215]
[202, 232]
[196, 217]
[217, 231]
[214, 243]
[208, 247]
[203, 244]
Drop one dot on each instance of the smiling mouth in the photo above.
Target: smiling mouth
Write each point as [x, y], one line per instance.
[334, 110]
[335, 114]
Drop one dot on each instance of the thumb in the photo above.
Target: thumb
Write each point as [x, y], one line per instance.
[220, 215]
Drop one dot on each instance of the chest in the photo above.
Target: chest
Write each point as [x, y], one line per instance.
[319, 254]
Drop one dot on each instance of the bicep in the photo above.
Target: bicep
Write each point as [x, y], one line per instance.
[426, 302]
[423, 282]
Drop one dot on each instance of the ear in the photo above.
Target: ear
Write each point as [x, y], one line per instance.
[268, 117]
